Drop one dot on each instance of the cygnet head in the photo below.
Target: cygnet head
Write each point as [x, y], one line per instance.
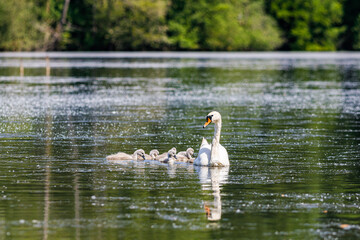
[189, 152]
[172, 153]
[140, 154]
[214, 117]
[154, 153]
[173, 149]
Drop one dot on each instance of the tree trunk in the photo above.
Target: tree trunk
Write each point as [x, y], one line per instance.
[60, 27]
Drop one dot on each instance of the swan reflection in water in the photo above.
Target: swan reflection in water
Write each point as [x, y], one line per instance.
[212, 178]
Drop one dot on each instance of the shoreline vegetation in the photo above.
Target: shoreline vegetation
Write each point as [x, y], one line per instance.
[179, 25]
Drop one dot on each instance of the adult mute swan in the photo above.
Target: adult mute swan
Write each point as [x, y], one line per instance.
[214, 154]
[138, 155]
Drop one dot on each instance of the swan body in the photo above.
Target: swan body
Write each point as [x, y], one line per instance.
[214, 154]
[152, 155]
[137, 155]
[163, 156]
[185, 156]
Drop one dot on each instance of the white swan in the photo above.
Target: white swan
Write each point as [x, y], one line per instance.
[214, 155]
[138, 155]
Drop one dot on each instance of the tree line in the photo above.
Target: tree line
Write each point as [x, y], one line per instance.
[197, 25]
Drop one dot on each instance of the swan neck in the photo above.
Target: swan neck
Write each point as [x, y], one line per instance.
[217, 131]
[215, 143]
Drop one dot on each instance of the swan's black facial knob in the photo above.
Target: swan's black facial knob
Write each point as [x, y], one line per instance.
[208, 121]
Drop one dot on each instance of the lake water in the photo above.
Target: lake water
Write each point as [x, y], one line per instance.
[291, 126]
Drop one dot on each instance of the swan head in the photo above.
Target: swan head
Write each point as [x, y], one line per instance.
[172, 153]
[173, 149]
[154, 153]
[189, 152]
[140, 154]
[214, 117]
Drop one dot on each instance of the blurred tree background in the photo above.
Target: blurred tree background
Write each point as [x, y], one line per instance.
[212, 25]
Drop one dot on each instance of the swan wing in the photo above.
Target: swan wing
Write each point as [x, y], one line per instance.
[203, 157]
[161, 156]
[181, 158]
[182, 153]
[148, 157]
[223, 158]
[119, 156]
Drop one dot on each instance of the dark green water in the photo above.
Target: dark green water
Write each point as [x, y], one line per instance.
[291, 125]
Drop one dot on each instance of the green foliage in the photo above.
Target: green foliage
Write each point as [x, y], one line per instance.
[356, 34]
[350, 40]
[132, 25]
[260, 28]
[79, 33]
[19, 27]
[312, 25]
[221, 25]
[215, 25]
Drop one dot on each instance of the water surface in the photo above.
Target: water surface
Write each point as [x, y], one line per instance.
[290, 124]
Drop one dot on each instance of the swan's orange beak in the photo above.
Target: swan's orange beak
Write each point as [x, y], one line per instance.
[207, 122]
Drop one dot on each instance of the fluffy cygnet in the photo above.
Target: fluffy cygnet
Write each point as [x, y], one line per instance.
[152, 155]
[171, 157]
[165, 155]
[185, 156]
[137, 155]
